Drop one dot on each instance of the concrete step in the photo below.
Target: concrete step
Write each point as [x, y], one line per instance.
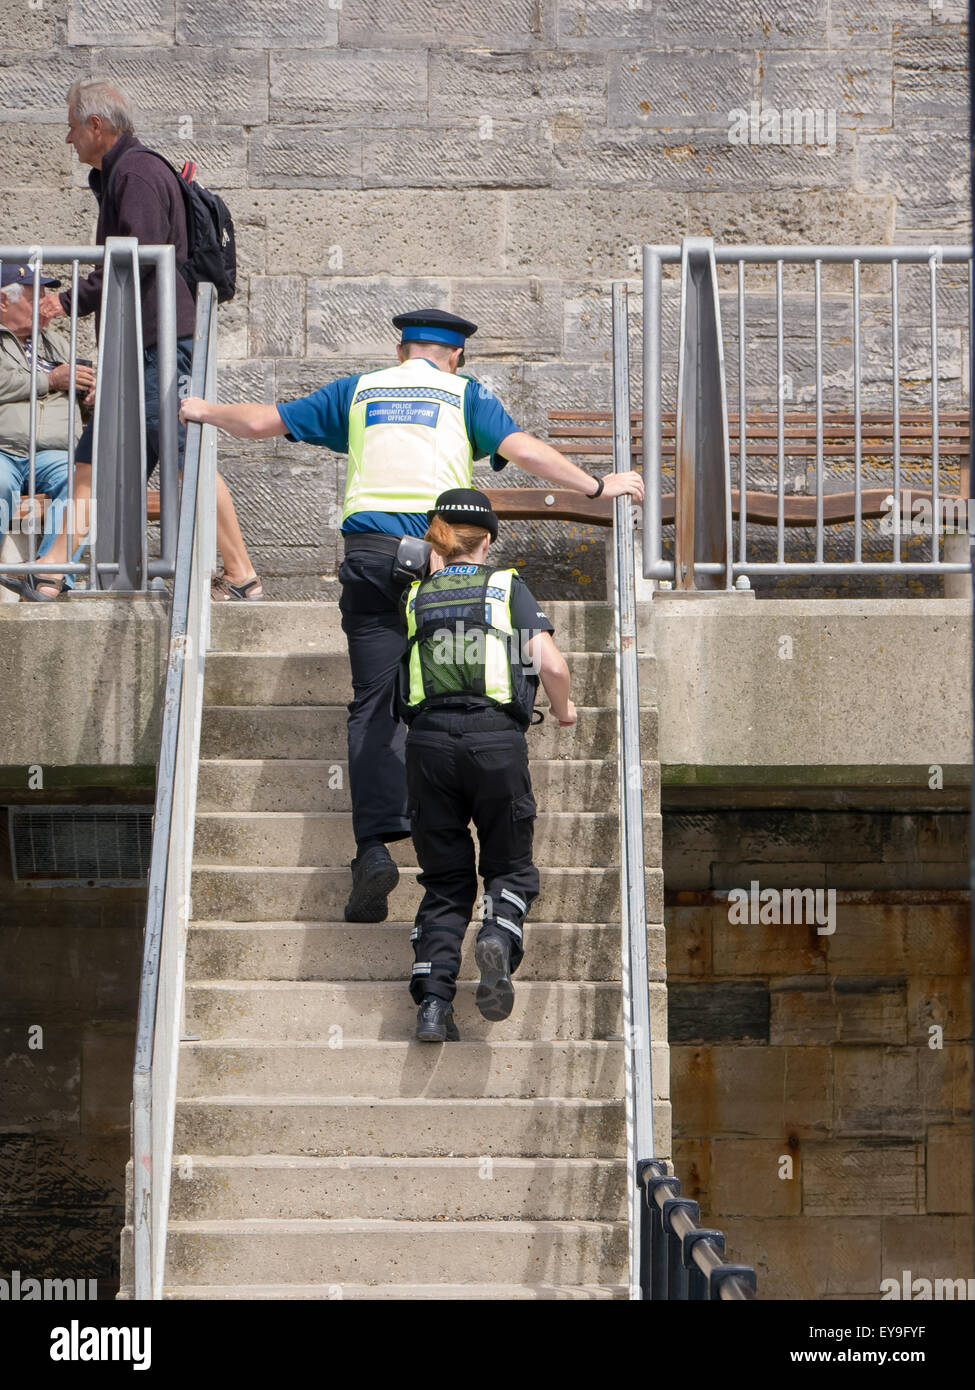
[324, 678]
[247, 894]
[276, 1187]
[340, 1252]
[381, 951]
[588, 1070]
[479, 1293]
[319, 731]
[282, 626]
[303, 1011]
[324, 839]
[412, 1126]
[312, 784]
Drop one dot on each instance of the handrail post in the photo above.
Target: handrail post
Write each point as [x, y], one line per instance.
[677, 1283]
[118, 531]
[168, 388]
[656, 1176]
[654, 564]
[697, 1282]
[702, 450]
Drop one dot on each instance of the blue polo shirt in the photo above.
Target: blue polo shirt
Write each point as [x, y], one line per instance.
[323, 418]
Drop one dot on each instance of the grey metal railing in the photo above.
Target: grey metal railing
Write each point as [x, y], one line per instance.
[864, 377]
[647, 1237]
[117, 537]
[637, 1041]
[168, 913]
[682, 1260]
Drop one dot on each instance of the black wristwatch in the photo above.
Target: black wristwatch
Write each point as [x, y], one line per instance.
[599, 491]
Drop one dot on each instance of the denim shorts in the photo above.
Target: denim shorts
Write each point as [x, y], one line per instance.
[184, 367]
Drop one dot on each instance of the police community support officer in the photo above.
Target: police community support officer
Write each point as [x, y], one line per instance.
[477, 643]
[411, 432]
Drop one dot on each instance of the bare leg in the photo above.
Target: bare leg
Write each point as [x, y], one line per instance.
[82, 521]
[230, 541]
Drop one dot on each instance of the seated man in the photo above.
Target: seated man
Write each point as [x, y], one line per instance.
[54, 425]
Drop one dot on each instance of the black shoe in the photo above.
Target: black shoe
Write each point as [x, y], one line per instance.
[495, 995]
[374, 876]
[435, 1021]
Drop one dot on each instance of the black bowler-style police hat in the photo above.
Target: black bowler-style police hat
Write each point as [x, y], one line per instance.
[16, 273]
[434, 326]
[465, 506]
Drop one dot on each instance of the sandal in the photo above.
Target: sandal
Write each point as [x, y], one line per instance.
[221, 589]
[31, 587]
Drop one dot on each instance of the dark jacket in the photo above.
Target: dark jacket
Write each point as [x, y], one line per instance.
[144, 201]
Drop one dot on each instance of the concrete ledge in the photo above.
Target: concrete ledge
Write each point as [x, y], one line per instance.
[83, 680]
[824, 688]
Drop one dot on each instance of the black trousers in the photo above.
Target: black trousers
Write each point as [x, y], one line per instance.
[371, 621]
[464, 766]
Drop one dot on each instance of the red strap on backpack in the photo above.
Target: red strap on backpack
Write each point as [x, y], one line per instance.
[189, 171]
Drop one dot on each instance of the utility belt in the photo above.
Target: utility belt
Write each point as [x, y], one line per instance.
[466, 703]
[411, 556]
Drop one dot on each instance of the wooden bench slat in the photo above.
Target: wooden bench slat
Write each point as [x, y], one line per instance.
[152, 505]
[766, 431]
[959, 451]
[526, 504]
[844, 417]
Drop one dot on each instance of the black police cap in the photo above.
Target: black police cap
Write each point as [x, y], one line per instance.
[465, 506]
[434, 326]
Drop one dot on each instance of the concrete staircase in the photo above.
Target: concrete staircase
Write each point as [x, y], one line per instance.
[320, 1151]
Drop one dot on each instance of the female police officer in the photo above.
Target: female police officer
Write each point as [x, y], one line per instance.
[477, 644]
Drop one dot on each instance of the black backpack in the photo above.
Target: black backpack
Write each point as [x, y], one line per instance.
[210, 237]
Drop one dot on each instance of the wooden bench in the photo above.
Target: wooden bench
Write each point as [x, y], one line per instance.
[152, 506]
[587, 436]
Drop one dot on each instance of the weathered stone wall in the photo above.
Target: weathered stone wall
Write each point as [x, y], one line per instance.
[499, 159]
[69, 962]
[821, 1051]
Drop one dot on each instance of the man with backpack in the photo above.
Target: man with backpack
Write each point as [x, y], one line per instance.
[140, 195]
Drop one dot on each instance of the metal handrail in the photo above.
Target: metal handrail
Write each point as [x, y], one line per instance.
[653, 1225]
[702, 411]
[117, 536]
[168, 912]
[633, 907]
[684, 1260]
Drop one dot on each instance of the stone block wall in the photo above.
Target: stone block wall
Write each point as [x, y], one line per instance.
[70, 959]
[821, 1082]
[503, 160]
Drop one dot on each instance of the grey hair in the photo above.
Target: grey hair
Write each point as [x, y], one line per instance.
[14, 290]
[87, 99]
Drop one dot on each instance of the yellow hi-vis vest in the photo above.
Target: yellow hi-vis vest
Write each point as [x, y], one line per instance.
[408, 442]
[462, 645]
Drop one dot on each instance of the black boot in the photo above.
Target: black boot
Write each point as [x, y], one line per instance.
[374, 876]
[435, 1021]
[495, 994]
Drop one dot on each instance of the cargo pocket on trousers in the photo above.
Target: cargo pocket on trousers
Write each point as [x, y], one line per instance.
[523, 807]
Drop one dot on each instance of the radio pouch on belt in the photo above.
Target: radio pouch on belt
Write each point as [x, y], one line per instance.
[412, 559]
